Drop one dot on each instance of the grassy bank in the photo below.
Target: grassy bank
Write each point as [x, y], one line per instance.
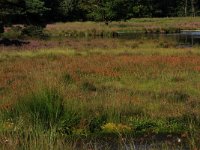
[57, 96]
[145, 25]
[100, 29]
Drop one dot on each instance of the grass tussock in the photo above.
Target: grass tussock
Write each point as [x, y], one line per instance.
[42, 110]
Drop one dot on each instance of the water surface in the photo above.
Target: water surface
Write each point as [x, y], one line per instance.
[184, 38]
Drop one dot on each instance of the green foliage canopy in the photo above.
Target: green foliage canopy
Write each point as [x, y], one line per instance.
[44, 11]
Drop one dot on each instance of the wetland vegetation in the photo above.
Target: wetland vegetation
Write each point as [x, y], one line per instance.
[115, 77]
[100, 93]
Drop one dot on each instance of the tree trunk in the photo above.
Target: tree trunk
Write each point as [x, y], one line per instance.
[1, 27]
[193, 9]
[186, 7]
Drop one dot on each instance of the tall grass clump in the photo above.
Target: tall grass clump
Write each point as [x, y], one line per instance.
[67, 78]
[87, 86]
[44, 110]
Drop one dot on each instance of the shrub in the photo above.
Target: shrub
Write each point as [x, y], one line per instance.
[97, 122]
[13, 33]
[145, 126]
[34, 31]
[115, 128]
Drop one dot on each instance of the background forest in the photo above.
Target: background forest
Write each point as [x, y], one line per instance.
[47, 11]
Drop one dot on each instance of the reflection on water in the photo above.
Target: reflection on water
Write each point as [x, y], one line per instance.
[185, 38]
[190, 37]
[132, 146]
[154, 143]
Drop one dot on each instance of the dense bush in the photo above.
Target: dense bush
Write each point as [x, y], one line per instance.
[34, 31]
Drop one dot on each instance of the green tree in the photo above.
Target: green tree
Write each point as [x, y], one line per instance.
[35, 7]
[106, 10]
[69, 9]
[8, 9]
[35, 12]
[30, 10]
[119, 9]
[67, 6]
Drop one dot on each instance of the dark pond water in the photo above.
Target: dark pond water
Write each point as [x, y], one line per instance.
[185, 38]
[131, 144]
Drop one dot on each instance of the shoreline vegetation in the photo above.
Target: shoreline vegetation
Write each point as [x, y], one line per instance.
[101, 93]
[142, 25]
[100, 29]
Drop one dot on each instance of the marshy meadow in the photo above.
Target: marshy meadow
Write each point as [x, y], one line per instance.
[126, 85]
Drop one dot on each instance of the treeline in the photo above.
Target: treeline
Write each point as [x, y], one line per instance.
[45, 11]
